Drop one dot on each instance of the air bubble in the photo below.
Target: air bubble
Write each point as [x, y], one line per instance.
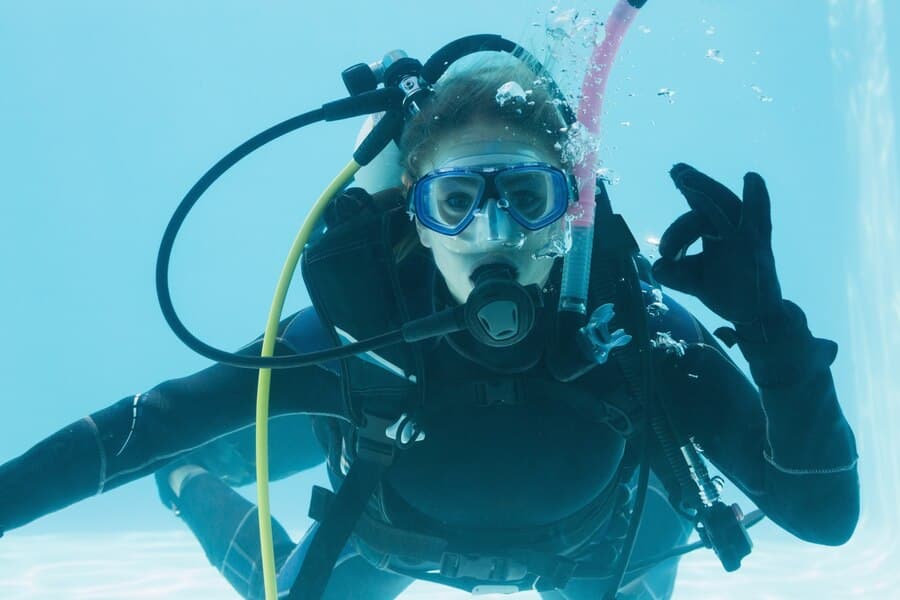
[558, 245]
[665, 341]
[510, 93]
[668, 94]
[563, 25]
[608, 176]
[657, 308]
[760, 95]
[715, 55]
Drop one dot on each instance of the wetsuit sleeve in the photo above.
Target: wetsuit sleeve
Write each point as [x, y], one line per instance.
[786, 444]
[140, 433]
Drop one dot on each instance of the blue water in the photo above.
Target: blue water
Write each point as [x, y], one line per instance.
[109, 111]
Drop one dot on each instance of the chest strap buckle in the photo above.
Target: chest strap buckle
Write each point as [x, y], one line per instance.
[482, 568]
[373, 443]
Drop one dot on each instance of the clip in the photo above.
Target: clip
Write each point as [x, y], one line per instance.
[595, 340]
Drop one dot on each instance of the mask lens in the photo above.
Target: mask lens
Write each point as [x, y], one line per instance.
[535, 196]
[449, 199]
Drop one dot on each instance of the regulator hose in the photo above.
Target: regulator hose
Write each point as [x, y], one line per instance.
[382, 99]
[265, 376]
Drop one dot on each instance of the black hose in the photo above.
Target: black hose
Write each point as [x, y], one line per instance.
[165, 255]
[635, 522]
[648, 396]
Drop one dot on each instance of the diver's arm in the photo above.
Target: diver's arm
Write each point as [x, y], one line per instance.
[140, 433]
[787, 446]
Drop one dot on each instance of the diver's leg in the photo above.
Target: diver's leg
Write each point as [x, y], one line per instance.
[662, 529]
[232, 458]
[356, 579]
[198, 486]
[226, 525]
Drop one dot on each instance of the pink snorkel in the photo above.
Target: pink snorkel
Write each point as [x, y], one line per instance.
[577, 267]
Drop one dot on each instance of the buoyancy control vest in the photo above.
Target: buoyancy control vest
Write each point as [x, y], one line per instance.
[368, 274]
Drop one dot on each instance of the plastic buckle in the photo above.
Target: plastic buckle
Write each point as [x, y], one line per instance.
[320, 503]
[595, 340]
[482, 568]
[372, 441]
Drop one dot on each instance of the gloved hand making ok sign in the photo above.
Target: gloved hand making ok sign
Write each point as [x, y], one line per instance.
[734, 275]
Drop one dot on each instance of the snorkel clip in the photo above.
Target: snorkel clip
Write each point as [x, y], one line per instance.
[595, 340]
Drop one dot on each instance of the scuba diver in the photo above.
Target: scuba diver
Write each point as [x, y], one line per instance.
[518, 448]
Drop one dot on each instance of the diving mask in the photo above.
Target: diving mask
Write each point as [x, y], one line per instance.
[534, 194]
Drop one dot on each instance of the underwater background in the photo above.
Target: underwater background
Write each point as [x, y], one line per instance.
[109, 111]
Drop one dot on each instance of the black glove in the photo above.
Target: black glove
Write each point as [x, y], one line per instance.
[734, 275]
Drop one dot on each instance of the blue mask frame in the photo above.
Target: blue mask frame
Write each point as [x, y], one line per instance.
[423, 204]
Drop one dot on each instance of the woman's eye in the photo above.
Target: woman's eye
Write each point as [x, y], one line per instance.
[458, 201]
[523, 197]
[526, 201]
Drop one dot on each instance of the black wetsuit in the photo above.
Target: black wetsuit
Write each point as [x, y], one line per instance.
[519, 453]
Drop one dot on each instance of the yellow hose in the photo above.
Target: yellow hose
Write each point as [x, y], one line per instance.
[265, 376]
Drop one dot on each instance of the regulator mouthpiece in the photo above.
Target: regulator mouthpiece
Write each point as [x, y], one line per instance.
[500, 312]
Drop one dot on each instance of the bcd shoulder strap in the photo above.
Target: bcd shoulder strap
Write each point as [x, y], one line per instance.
[354, 285]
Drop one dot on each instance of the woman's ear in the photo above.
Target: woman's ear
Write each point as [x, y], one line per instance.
[424, 234]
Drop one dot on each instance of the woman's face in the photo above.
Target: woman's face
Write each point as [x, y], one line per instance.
[493, 236]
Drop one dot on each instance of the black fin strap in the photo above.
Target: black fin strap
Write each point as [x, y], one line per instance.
[335, 529]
